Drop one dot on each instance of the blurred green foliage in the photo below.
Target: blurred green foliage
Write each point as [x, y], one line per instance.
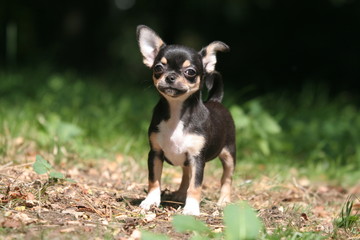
[240, 220]
[71, 115]
[255, 128]
[86, 117]
[274, 43]
[322, 127]
[311, 127]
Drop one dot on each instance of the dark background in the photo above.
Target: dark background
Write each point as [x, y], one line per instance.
[275, 45]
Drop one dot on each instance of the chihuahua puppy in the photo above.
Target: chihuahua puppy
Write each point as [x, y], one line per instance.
[184, 130]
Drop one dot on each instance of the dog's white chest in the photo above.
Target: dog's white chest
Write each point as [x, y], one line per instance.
[176, 143]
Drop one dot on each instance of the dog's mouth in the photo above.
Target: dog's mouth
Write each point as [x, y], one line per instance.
[171, 91]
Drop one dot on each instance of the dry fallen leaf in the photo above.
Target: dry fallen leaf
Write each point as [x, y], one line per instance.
[67, 230]
[73, 212]
[136, 235]
[304, 216]
[24, 218]
[150, 217]
[75, 223]
[31, 203]
[11, 223]
[30, 196]
[356, 206]
[93, 207]
[20, 208]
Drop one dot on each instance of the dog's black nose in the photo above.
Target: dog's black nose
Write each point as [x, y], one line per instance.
[170, 78]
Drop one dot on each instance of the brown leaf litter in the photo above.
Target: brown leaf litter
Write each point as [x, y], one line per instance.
[104, 202]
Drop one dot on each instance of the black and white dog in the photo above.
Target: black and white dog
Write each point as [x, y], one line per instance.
[184, 130]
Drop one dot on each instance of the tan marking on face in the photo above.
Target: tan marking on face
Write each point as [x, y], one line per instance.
[186, 64]
[196, 85]
[163, 60]
[180, 82]
[183, 80]
[192, 86]
[156, 80]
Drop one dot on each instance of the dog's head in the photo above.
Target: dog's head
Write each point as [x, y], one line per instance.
[177, 70]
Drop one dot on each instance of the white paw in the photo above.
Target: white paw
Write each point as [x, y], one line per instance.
[152, 199]
[192, 207]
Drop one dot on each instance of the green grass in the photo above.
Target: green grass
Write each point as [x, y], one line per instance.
[79, 117]
[314, 132]
[292, 235]
[348, 219]
[65, 110]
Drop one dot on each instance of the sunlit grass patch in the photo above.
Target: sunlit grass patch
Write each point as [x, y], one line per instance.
[78, 118]
[66, 114]
[349, 217]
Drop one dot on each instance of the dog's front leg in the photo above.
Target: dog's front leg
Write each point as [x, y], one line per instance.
[180, 194]
[155, 165]
[193, 197]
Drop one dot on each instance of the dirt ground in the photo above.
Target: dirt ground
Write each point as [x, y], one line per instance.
[103, 202]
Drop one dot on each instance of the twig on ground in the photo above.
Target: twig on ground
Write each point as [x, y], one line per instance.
[91, 205]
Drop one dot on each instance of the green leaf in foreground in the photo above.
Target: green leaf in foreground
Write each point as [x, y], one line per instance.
[184, 223]
[57, 175]
[70, 180]
[41, 166]
[241, 222]
[151, 236]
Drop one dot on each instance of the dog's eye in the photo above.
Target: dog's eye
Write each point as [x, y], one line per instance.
[158, 68]
[190, 72]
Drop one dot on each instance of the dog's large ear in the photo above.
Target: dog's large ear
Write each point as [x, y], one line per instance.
[149, 43]
[209, 54]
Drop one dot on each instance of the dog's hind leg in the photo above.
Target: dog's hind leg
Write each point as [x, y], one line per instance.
[227, 157]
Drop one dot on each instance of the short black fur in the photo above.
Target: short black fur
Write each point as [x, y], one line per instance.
[179, 74]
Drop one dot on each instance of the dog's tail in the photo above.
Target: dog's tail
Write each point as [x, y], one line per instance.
[215, 86]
